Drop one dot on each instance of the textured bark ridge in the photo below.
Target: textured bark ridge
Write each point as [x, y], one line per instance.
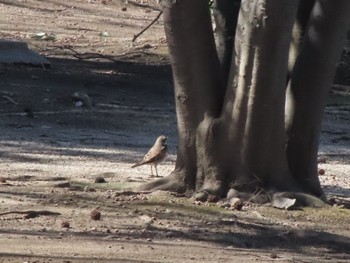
[240, 132]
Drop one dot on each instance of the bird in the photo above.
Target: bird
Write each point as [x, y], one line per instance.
[155, 155]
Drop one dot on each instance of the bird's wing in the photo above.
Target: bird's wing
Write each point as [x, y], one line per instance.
[153, 155]
[149, 157]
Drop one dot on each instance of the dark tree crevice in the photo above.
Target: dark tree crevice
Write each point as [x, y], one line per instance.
[225, 13]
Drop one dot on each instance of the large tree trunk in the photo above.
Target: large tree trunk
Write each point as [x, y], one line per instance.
[232, 125]
[309, 88]
[196, 73]
[256, 115]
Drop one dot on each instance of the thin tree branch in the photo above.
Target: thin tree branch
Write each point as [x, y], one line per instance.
[147, 27]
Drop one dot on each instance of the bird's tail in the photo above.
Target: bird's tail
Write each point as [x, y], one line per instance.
[136, 165]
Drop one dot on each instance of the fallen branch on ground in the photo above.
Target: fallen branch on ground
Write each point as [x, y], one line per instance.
[127, 193]
[31, 213]
[123, 58]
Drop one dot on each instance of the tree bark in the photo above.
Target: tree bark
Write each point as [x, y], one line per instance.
[311, 81]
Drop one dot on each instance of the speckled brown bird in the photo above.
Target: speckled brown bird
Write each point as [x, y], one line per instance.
[155, 155]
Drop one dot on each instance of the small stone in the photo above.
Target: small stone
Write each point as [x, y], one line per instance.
[78, 104]
[100, 180]
[236, 204]
[89, 189]
[321, 171]
[82, 99]
[65, 224]
[147, 46]
[124, 8]
[224, 205]
[95, 215]
[147, 219]
[212, 198]
[64, 184]
[322, 160]
[134, 211]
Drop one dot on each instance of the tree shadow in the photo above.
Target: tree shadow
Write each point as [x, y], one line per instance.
[201, 224]
[124, 95]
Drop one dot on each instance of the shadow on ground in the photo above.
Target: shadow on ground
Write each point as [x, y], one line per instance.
[132, 105]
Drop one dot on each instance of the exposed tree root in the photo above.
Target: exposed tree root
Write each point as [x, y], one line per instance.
[171, 183]
[212, 193]
[282, 200]
[201, 196]
[305, 200]
[253, 194]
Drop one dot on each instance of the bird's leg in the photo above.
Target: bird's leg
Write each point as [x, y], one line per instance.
[155, 167]
[151, 170]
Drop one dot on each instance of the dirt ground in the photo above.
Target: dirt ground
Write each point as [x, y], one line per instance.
[52, 150]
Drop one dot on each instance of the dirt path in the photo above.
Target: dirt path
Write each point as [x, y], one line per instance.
[51, 152]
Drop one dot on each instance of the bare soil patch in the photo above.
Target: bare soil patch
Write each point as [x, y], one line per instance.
[52, 151]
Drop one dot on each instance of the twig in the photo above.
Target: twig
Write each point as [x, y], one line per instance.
[31, 213]
[147, 27]
[88, 55]
[9, 99]
[255, 194]
[43, 66]
[257, 178]
[127, 192]
[118, 58]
